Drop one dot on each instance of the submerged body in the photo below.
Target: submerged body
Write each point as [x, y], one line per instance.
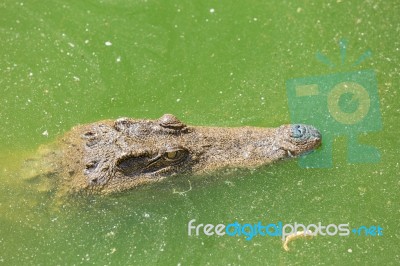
[109, 156]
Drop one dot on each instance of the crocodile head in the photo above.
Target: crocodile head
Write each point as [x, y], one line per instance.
[117, 155]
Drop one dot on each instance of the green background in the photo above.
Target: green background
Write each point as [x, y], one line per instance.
[222, 68]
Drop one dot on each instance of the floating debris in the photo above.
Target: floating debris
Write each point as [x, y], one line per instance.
[294, 236]
[182, 193]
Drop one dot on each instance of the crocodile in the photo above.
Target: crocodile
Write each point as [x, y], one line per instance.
[115, 155]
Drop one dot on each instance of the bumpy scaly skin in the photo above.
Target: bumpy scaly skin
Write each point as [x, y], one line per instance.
[109, 156]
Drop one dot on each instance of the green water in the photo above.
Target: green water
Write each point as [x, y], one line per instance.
[210, 63]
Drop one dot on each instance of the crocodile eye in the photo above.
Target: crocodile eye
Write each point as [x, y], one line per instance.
[172, 154]
[175, 155]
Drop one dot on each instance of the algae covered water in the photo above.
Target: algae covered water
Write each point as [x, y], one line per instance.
[212, 63]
